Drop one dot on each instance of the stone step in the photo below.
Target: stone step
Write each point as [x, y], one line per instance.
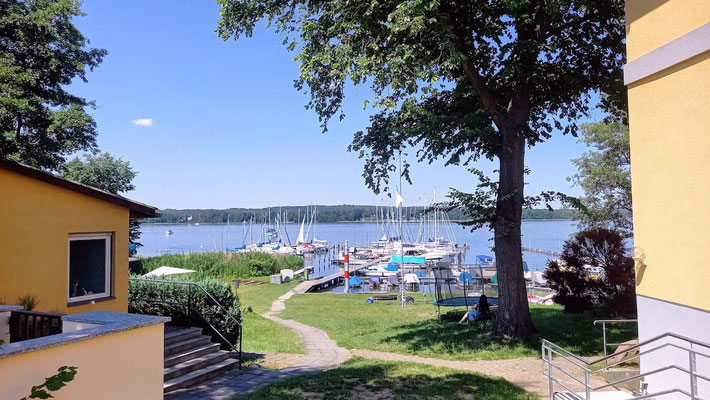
[609, 395]
[188, 366]
[186, 344]
[178, 335]
[190, 354]
[198, 376]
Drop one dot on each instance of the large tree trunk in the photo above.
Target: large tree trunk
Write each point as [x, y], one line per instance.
[513, 318]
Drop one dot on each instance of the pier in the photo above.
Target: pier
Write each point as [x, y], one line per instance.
[542, 251]
[317, 285]
[320, 284]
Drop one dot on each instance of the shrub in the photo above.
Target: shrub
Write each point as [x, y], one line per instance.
[212, 264]
[614, 287]
[178, 301]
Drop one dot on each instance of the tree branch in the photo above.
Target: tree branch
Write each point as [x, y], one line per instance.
[479, 85]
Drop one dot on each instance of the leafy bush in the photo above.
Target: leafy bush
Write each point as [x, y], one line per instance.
[242, 265]
[178, 301]
[614, 287]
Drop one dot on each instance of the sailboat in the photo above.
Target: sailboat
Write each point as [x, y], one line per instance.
[302, 246]
[318, 244]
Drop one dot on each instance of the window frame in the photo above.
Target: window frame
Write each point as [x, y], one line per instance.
[108, 238]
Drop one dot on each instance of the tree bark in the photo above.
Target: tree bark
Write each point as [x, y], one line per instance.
[513, 318]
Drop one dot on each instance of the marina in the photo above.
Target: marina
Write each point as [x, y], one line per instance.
[190, 238]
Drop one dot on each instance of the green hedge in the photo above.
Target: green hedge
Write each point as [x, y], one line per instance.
[243, 265]
[171, 300]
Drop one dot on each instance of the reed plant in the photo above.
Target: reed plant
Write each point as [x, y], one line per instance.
[221, 265]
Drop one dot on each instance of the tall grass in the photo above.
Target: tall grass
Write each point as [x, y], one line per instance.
[217, 265]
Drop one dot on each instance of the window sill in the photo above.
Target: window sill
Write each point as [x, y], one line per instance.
[90, 301]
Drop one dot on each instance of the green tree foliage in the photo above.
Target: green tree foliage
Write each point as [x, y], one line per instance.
[577, 291]
[457, 80]
[326, 214]
[108, 173]
[41, 52]
[102, 171]
[604, 173]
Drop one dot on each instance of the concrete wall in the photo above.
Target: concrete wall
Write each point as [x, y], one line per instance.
[36, 219]
[124, 365]
[653, 23]
[670, 161]
[5, 326]
[668, 78]
[657, 317]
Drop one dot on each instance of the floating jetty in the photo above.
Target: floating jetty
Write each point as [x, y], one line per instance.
[316, 285]
[542, 251]
[320, 284]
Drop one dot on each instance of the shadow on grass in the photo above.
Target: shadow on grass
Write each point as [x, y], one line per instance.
[574, 332]
[373, 379]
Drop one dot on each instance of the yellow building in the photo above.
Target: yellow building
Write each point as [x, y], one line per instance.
[67, 245]
[668, 80]
[63, 242]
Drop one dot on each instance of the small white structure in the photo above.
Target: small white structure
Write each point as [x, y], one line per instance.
[165, 271]
[286, 274]
[538, 279]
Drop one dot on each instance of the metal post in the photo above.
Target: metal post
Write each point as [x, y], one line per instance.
[550, 383]
[241, 329]
[401, 260]
[604, 336]
[693, 377]
[347, 267]
[587, 389]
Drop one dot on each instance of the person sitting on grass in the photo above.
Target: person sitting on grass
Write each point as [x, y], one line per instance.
[480, 313]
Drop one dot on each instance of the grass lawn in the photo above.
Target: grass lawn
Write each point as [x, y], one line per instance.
[260, 334]
[415, 330]
[260, 297]
[359, 378]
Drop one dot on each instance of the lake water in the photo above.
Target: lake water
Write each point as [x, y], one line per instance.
[549, 235]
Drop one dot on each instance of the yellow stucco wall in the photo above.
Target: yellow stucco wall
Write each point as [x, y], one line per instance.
[36, 219]
[125, 365]
[669, 116]
[653, 23]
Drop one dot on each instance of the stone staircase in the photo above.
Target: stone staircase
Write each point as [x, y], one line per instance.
[190, 358]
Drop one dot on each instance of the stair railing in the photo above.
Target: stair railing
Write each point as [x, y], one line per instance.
[550, 366]
[233, 347]
[603, 322]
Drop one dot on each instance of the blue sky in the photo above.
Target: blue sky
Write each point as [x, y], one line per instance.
[228, 128]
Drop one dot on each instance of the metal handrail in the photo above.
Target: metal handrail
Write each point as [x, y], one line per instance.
[608, 321]
[191, 284]
[549, 348]
[233, 346]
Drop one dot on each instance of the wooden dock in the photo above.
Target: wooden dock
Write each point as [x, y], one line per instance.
[317, 285]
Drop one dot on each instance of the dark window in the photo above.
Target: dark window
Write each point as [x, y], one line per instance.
[89, 266]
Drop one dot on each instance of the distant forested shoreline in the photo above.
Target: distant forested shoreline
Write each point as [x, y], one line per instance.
[339, 213]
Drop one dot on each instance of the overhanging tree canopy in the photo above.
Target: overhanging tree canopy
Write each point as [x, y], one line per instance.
[41, 52]
[457, 80]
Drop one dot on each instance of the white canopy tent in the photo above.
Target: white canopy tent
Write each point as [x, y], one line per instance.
[165, 271]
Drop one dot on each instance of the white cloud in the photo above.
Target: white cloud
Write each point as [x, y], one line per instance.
[143, 122]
